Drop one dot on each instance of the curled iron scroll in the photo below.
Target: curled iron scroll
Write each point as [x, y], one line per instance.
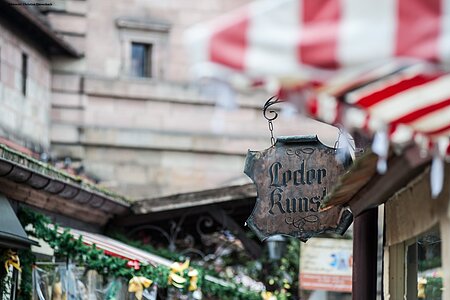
[300, 151]
[272, 100]
[300, 222]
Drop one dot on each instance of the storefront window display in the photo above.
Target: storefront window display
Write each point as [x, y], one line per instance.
[424, 258]
[424, 266]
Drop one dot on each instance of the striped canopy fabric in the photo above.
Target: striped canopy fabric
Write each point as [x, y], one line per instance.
[420, 101]
[409, 102]
[366, 57]
[293, 38]
[118, 249]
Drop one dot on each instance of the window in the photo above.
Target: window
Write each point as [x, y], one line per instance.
[24, 73]
[144, 47]
[429, 265]
[424, 266]
[141, 60]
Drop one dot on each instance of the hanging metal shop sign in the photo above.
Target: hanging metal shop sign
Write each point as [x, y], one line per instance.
[292, 178]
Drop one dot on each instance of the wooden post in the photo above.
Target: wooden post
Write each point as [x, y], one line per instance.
[445, 250]
[365, 236]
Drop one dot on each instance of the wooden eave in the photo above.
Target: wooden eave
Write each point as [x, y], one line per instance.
[194, 199]
[32, 24]
[25, 179]
[362, 188]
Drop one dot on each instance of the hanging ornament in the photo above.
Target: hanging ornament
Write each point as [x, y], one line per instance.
[268, 296]
[137, 284]
[421, 285]
[380, 147]
[177, 267]
[437, 167]
[437, 176]
[134, 264]
[193, 279]
[12, 260]
[176, 271]
[345, 147]
[177, 279]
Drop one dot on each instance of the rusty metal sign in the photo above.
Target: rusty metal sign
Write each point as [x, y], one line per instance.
[292, 178]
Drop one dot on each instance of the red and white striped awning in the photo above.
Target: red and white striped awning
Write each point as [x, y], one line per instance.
[409, 102]
[115, 248]
[362, 60]
[292, 39]
[379, 46]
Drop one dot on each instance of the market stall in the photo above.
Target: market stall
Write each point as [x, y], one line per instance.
[378, 70]
[12, 238]
[87, 265]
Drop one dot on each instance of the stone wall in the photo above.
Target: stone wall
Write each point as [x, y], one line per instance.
[157, 136]
[24, 119]
[147, 147]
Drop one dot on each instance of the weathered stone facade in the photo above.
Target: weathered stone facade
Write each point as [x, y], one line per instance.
[148, 137]
[24, 119]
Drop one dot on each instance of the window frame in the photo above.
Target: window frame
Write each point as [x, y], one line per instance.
[159, 54]
[148, 60]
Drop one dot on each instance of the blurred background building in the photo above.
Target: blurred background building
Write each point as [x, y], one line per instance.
[115, 101]
[103, 90]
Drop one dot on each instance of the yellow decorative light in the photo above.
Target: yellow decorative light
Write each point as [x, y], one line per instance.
[176, 276]
[268, 296]
[193, 275]
[137, 284]
[421, 284]
[177, 267]
[12, 260]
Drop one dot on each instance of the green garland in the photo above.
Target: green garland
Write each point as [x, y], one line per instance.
[66, 245]
[27, 259]
[163, 252]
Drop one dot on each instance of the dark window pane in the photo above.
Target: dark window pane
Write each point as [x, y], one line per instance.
[141, 60]
[24, 73]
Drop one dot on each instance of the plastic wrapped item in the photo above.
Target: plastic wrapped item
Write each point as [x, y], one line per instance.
[41, 284]
[59, 284]
[151, 293]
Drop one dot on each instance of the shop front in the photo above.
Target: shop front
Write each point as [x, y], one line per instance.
[12, 239]
[417, 242]
[62, 217]
[315, 54]
[413, 262]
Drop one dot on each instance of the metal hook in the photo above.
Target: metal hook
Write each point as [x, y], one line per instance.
[271, 101]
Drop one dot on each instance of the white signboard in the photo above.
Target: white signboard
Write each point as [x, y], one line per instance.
[326, 264]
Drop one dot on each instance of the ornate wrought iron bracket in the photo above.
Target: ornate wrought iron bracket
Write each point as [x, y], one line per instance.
[271, 101]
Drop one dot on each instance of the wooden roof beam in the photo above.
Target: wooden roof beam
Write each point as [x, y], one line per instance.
[401, 169]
